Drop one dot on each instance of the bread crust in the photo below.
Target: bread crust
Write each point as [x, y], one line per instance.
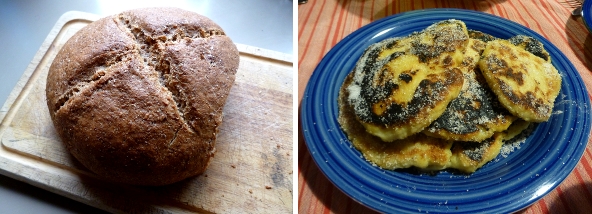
[137, 97]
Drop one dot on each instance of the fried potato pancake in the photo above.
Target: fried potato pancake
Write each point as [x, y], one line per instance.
[517, 127]
[476, 114]
[417, 150]
[531, 45]
[470, 156]
[475, 34]
[401, 85]
[524, 83]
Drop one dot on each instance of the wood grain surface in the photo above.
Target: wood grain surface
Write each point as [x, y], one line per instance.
[251, 171]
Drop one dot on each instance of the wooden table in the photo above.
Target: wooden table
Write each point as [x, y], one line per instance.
[322, 24]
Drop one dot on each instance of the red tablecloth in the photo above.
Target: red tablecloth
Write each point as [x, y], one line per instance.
[323, 23]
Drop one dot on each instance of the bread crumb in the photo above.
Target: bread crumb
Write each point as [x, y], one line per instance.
[278, 146]
[233, 166]
[251, 191]
[267, 187]
[288, 153]
[291, 171]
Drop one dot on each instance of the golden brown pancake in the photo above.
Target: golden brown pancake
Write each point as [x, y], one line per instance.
[417, 150]
[531, 45]
[517, 127]
[470, 156]
[401, 85]
[475, 34]
[476, 114]
[524, 83]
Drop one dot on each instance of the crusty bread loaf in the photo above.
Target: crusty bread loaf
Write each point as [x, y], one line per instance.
[137, 97]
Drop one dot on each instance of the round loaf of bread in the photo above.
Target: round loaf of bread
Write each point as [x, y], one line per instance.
[137, 97]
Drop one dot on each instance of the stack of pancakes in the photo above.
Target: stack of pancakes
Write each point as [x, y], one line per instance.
[445, 97]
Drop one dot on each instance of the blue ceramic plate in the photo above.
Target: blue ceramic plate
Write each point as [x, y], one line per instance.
[587, 14]
[505, 185]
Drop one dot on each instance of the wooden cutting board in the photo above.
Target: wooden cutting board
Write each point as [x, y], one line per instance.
[250, 173]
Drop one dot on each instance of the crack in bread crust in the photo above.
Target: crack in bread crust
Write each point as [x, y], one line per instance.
[151, 49]
[88, 82]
